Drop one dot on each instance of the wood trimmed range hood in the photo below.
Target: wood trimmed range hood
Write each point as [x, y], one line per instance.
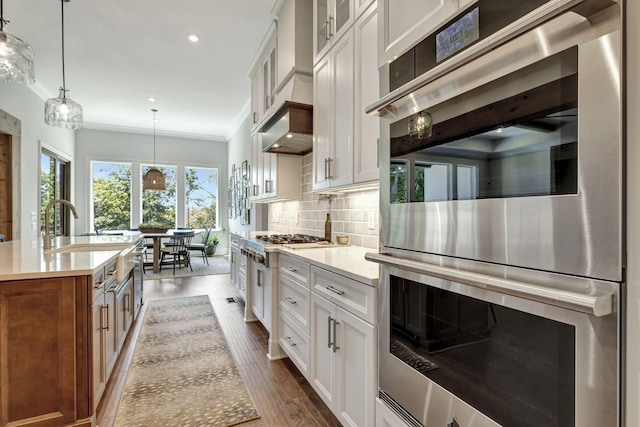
[289, 130]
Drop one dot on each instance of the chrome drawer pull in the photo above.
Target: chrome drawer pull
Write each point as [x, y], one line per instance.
[329, 319]
[291, 300]
[335, 323]
[290, 341]
[334, 290]
[291, 269]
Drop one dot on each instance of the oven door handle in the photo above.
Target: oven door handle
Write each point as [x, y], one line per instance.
[598, 303]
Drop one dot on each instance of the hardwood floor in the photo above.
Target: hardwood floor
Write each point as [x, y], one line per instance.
[281, 394]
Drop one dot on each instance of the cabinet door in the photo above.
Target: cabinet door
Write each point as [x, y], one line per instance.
[356, 370]
[341, 18]
[256, 170]
[341, 158]
[110, 331]
[366, 127]
[38, 352]
[403, 23]
[124, 310]
[233, 270]
[323, 362]
[255, 100]
[321, 27]
[321, 123]
[358, 9]
[97, 336]
[269, 173]
[257, 290]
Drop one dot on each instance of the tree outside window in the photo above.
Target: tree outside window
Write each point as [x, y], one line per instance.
[201, 191]
[159, 207]
[111, 196]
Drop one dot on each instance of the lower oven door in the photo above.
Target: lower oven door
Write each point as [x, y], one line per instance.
[488, 350]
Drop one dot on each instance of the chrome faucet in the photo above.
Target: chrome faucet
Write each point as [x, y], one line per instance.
[47, 239]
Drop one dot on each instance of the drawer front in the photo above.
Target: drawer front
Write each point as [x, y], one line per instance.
[294, 299]
[295, 269]
[295, 343]
[355, 297]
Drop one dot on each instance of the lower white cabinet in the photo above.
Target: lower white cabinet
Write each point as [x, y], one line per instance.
[343, 366]
[124, 307]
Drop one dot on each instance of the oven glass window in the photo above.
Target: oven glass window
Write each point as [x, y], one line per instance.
[484, 144]
[515, 367]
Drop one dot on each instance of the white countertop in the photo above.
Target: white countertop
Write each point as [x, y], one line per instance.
[344, 260]
[26, 259]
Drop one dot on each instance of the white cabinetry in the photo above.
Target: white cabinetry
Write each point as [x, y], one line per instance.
[346, 81]
[331, 19]
[263, 77]
[366, 128]
[294, 307]
[403, 23]
[343, 346]
[333, 116]
[124, 307]
[274, 176]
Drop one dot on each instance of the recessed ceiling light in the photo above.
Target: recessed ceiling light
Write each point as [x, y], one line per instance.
[151, 99]
[289, 135]
[193, 37]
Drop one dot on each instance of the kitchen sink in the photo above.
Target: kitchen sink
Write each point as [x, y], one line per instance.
[124, 261]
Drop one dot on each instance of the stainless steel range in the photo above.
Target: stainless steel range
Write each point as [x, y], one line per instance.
[262, 277]
[501, 191]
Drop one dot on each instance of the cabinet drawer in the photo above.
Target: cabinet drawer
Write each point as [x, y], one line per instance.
[295, 343]
[355, 297]
[294, 299]
[295, 269]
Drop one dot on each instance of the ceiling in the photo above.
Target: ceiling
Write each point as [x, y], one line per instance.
[120, 52]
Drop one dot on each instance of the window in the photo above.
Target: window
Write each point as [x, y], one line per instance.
[159, 207]
[201, 197]
[54, 184]
[111, 196]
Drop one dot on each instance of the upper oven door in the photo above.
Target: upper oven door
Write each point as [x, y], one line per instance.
[523, 164]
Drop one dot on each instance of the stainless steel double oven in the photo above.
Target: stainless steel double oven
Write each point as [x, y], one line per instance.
[502, 217]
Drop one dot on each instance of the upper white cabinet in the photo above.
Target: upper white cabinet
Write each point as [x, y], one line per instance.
[345, 147]
[274, 176]
[331, 19]
[263, 74]
[360, 6]
[403, 23]
[333, 80]
[294, 39]
[366, 127]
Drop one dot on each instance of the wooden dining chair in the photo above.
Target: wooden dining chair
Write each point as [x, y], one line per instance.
[179, 252]
[202, 247]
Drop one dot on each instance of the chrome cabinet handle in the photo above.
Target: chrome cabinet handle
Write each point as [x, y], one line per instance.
[99, 285]
[268, 186]
[291, 300]
[331, 33]
[290, 341]
[334, 290]
[291, 269]
[255, 189]
[329, 160]
[102, 321]
[326, 29]
[255, 117]
[335, 323]
[127, 303]
[329, 319]
[326, 171]
[259, 279]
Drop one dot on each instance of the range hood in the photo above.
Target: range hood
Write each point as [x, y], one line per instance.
[289, 130]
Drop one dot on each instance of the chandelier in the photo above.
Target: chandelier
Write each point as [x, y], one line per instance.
[154, 180]
[420, 125]
[16, 56]
[63, 111]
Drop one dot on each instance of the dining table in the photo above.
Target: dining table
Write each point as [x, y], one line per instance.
[157, 244]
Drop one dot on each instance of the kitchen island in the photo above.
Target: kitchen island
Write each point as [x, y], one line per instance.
[63, 314]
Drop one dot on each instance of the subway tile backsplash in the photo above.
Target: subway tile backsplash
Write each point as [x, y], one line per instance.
[350, 213]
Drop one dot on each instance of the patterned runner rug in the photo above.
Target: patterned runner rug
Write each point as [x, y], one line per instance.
[182, 372]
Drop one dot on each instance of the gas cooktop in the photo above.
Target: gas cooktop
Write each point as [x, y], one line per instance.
[288, 239]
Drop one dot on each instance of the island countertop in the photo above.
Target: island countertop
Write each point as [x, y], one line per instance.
[26, 259]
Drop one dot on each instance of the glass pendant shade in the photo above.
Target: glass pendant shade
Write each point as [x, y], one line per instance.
[63, 112]
[16, 60]
[154, 180]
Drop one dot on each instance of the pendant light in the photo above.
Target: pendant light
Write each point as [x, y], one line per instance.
[16, 57]
[154, 180]
[63, 111]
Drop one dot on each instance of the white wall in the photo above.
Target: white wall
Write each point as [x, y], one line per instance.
[21, 102]
[239, 151]
[108, 146]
